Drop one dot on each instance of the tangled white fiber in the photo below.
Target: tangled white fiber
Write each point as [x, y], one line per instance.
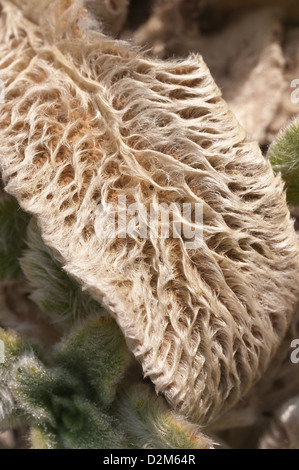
[85, 119]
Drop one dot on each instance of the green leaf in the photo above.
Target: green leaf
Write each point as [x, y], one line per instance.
[12, 349]
[13, 223]
[60, 414]
[42, 391]
[97, 353]
[42, 437]
[148, 422]
[53, 290]
[284, 157]
[97, 430]
[83, 426]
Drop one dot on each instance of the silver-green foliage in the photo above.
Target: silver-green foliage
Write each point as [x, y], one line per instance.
[53, 290]
[284, 157]
[64, 408]
[14, 349]
[81, 400]
[13, 223]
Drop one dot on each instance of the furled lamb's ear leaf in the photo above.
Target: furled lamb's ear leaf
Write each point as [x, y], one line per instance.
[149, 423]
[284, 157]
[12, 349]
[53, 290]
[96, 351]
[13, 222]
